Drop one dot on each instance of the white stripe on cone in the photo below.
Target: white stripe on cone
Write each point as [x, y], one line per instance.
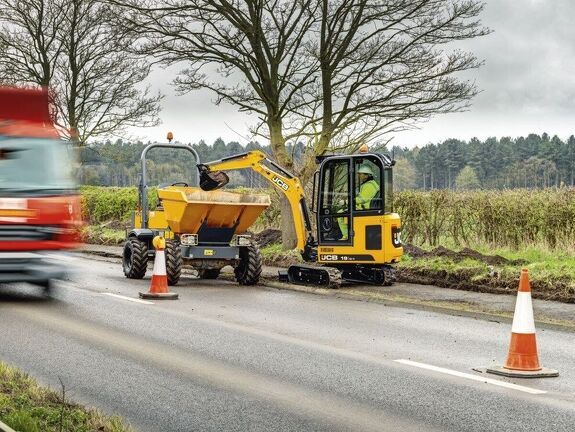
[160, 264]
[523, 317]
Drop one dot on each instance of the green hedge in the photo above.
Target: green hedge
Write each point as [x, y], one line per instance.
[511, 218]
[103, 204]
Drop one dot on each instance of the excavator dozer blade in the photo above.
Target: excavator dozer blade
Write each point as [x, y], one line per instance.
[212, 180]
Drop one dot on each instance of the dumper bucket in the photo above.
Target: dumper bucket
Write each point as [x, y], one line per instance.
[212, 180]
[190, 210]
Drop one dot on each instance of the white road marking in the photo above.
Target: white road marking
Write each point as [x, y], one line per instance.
[135, 300]
[471, 377]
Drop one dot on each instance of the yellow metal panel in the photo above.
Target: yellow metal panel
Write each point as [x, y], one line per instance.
[156, 220]
[387, 254]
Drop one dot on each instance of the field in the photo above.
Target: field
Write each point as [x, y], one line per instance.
[467, 240]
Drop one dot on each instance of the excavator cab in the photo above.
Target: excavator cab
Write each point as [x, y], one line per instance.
[353, 197]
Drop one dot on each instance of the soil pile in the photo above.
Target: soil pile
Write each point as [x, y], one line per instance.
[268, 236]
[466, 253]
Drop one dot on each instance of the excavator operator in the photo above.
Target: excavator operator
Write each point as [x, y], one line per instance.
[368, 190]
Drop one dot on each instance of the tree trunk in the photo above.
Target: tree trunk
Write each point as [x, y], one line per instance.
[289, 237]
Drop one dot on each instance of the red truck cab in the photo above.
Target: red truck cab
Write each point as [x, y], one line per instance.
[40, 213]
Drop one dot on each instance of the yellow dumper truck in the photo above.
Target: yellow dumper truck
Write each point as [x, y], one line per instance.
[206, 230]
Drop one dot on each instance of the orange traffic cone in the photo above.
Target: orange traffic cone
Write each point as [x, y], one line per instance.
[159, 285]
[522, 360]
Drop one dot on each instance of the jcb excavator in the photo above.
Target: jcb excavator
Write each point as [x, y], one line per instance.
[357, 235]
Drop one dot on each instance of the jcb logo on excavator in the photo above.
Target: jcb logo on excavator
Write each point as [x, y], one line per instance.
[330, 257]
[280, 183]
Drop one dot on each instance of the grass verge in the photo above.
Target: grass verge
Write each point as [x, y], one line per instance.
[27, 407]
[274, 255]
[552, 274]
[103, 235]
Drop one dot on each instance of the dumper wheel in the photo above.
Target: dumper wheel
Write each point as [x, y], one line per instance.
[249, 269]
[173, 262]
[209, 273]
[135, 258]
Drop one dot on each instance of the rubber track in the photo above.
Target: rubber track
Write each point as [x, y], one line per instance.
[249, 269]
[139, 259]
[333, 274]
[390, 276]
[173, 262]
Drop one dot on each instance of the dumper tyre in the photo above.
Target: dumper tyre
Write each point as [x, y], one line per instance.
[209, 273]
[135, 258]
[174, 262]
[249, 269]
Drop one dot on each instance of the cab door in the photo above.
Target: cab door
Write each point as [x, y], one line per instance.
[334, 207]
[368, 204]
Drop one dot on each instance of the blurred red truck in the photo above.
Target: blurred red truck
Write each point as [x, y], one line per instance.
[40, 212]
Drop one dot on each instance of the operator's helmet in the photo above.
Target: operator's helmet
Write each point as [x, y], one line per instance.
[365, 169]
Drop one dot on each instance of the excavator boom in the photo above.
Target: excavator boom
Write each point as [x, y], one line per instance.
[212, 176]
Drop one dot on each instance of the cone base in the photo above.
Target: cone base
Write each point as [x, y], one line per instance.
[542, 373]
[159, 296]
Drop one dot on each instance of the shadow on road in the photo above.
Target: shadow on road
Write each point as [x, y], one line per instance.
[24, 293]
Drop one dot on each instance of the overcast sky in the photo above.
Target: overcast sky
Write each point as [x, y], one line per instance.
[527, 83]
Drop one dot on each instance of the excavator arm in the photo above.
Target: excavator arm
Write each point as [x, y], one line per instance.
[212, 176]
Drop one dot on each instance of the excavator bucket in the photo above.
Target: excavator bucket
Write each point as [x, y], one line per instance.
[212, 180]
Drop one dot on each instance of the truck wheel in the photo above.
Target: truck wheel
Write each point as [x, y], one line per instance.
[209, 273]
[173, 262]
[249, 269]
[135, 258]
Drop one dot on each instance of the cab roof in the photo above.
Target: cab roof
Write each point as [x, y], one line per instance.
[25, 113]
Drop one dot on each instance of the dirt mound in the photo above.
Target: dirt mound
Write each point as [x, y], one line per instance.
[470, 280]
[414, 251]
[268, 236]
[463, 254]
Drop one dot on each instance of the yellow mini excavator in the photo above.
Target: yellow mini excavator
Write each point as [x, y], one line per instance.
[357, 233]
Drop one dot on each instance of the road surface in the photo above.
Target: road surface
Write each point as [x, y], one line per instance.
[230, 358]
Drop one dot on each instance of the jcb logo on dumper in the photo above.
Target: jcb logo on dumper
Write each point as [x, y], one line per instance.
[280, 183]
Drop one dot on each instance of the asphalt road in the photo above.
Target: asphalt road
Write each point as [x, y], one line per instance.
[230, 358]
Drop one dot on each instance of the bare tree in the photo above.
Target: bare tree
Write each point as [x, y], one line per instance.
[70, 47]
[330, 73]
[384, 66]
[256, 47]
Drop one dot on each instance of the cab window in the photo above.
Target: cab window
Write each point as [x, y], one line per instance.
[334, 208]
[388, 188]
